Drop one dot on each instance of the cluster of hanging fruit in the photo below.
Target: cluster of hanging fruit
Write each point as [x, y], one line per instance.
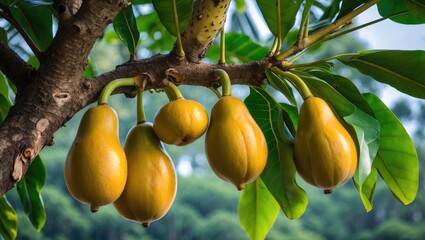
[140, 179]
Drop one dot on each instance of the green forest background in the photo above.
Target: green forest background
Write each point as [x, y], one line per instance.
[205, 206]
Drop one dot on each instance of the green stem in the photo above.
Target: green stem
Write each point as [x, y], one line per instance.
[225, 81]
[222, 47]
[180, 51]
[321, 61]
[318, 35]
[279, 30]
[174, 90]
[108, 89]
[216, 92]
[170, 94]
[273, 48]
[296, 81]
[141, 118]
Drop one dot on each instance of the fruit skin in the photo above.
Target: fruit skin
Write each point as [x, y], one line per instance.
[180, 122]
[151, 183]
[235, 146]
[324, 152]
[96, 166]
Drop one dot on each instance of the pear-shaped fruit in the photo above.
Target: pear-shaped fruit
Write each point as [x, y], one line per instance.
[235, 146]
[180, 122]
[324, 152]
[96, 166]
[151, 183]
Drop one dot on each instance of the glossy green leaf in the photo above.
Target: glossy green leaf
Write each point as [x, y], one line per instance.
[279, 173]
[367, 190]
[257, 210]
[239, 48]
[33, 61]
[346, 88]
[389, 7]
[288, 12]
[29, 189]
[349, 5]
[4, 90]
[8, 220]
[366, 127]
[401, 69]
[164, 8]
[417, 7]
[4, 107]
[397, 160]
[140, 1]
[331, 11]
[290, 117]
[37, 23]
[281, 85]
[126, 28]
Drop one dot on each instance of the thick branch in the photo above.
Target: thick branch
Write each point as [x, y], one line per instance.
[13, 66]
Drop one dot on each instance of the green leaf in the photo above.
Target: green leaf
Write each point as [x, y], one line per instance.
[416, 7]
[281, 85]
[367, 189]
[290, 117]
[389, 7]
[37, 23]
[90, 71]
[4, 91]
[240, 5]
[29, 189]
[164, 8]
[3, 35]
[4, 107]
[331, 11]
[257, 209]
[141, 1]
[279, 173]
[288, 12]
[397, 160]
[33, 61]
[401, 69]
[126, 28]
[349, 5]
[8, 220]
[346, 88]
[241, 47]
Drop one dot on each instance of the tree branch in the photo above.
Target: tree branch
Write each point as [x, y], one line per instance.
[13, 66]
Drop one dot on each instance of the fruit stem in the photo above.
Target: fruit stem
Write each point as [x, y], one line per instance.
[296, 81]
[141, 118]
[110, 87]
[225, 81]
[216, 92]
[174, 90]
[222, 47]
[180, 51]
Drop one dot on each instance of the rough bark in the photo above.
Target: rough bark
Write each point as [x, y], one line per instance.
[48, 97]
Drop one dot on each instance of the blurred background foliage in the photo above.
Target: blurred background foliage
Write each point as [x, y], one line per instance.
[205, 206]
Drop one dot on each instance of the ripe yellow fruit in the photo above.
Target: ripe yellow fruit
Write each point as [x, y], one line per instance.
[180, 122]
[235, 146]
[96, 167]
[324, 152]
[151, 183]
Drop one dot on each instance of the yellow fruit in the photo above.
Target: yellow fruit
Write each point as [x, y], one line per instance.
[151, 182]
[324, 152]
[96, 166]
[180, 122]
[235, 146]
